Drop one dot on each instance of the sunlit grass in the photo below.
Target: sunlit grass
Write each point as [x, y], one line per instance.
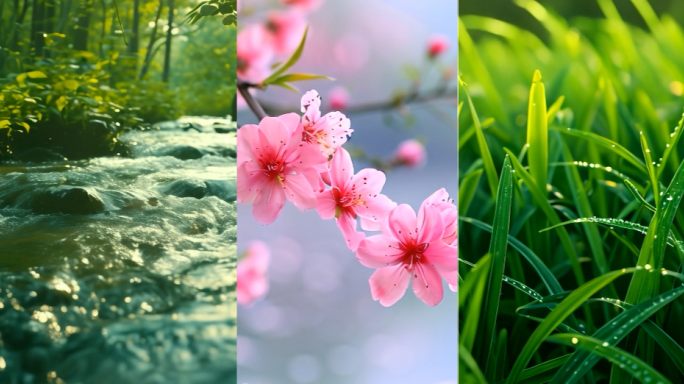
[574, 230]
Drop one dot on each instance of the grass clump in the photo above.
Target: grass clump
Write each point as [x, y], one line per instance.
[578, 139]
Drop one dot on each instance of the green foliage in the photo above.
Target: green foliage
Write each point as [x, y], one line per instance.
[607, 206]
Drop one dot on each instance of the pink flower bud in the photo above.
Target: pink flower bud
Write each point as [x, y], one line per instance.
[252, 282]
[437, 44]
[304, 5]
[338, 98]
[410, 153]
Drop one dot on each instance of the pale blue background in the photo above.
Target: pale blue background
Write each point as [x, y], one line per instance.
[319, 323]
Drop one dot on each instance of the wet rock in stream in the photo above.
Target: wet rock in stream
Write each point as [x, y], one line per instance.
[122, 270]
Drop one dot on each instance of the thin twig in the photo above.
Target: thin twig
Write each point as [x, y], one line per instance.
[123, 33]
[413, 98]
[254, 105]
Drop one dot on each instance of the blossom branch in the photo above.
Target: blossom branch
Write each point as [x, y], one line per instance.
[243, 88]
[397, 102]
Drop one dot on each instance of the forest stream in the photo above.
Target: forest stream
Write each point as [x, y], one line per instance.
[118, 270]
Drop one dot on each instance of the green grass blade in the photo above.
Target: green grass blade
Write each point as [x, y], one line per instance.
[553, 109]
[671, 145]
[609, 144]
[490, 169]
[581, 199]
[673, 350]
[537, 132]
[543, 372]
[469, 362]
[542, 270]
[466, 191]
[543, 203]
[556, 317]
[475, 285]
[468, 51]
[612, 333]
[631, 364]
[637, 195]
[497, 249]
[649, 167]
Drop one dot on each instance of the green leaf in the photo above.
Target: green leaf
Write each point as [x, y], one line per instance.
[541, 373]
[553, 109]
[537, 132]
[673, 350]
[36, 75]
[468, 361]
[4, 124]
[542, 270]
[609, 144]
[581, 199]
[671, 145]
[540, 198]
[631, 364]
[466, 191]
[497, 249]
[490, 169]
[291, 61]
[298, 77]
[649, 167]
[473, 286]
[613, 332]
[556, 317]
[635, 192]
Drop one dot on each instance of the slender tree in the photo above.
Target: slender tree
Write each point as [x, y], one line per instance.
[38, 27]
[133, 36]
[167, 54]
[82, 25]
[150, 45]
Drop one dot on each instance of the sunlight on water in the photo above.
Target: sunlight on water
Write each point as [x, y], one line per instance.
[122, 270]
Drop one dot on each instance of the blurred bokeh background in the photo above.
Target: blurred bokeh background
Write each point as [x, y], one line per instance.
[508, 11]
[318, 323]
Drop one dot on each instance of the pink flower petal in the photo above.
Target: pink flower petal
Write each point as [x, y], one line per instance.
[427, 284]
[375, 211]
[379, 251]
[452, 279]
[389, 284]
[341, 169]
[369, 181]
[314, 179]
[310, 98]
[276, 135]
[268, 203]
[430, 224]
[347, 225]
[248, 183]
[290, 120]
[326, 205]
[249, 133]
[401, 223]
[443, 256]
[298, 190]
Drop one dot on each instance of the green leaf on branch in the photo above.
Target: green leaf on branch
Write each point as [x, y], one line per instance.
[290, 62]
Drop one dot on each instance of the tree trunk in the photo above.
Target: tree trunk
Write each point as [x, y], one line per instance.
[64, 16]
[167, 55]
[38, 27]
[133, 37]
[150, 45]
[81, 28]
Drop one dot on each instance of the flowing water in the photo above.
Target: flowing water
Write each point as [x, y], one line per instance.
[122, 270]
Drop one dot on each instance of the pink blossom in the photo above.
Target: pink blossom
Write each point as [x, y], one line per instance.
[437, 44]
[327, 132]
[409, 247]
[338, 98]
[274, 165]
[285, 30]
[252, 282]
[354, 195]
[304, 5]
[441, 201]
[411, 153]
[254, 54]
